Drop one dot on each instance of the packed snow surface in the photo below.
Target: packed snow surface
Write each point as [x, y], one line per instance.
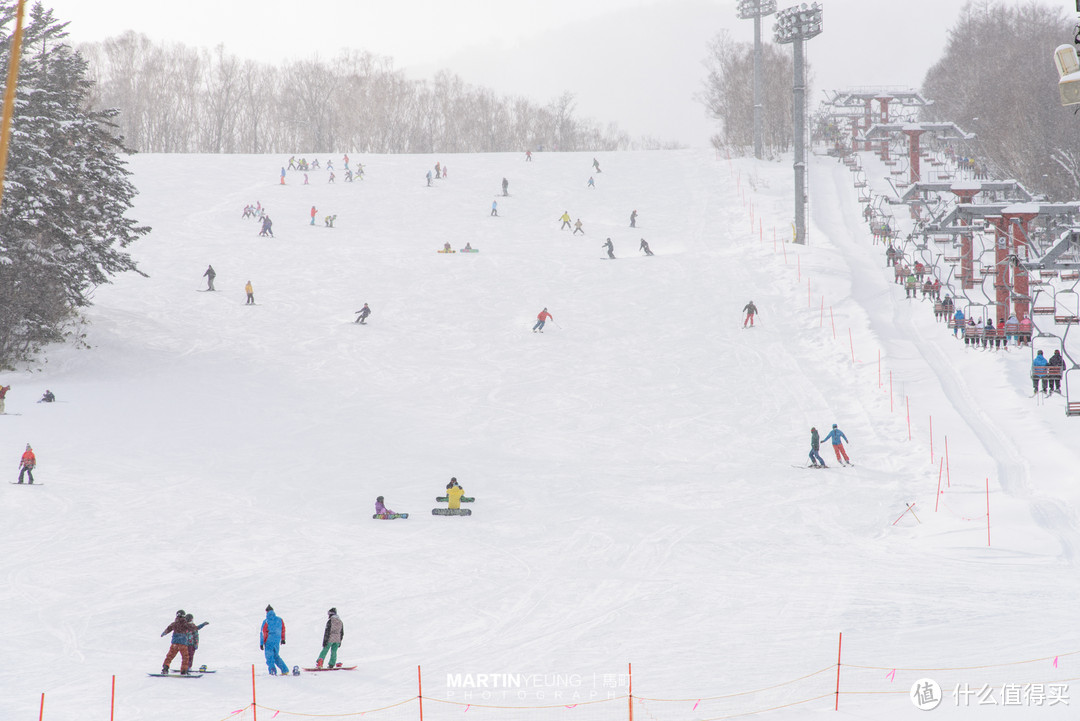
[638, 468]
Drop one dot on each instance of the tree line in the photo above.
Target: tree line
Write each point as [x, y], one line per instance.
[996, 79]
[174, 98]
[63, 221]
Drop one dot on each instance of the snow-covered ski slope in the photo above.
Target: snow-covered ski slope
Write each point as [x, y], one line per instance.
[636, 500]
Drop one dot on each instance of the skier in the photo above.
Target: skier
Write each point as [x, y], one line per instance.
[283, 175]
[346, 159]
[751, 310]
[267, 227]
[332, 637]
[1055, 367]
[250, 294]
[505, 185]
[958, 322]
[438, 171]
[596, 164]
[429, 178]
[270, 641]
[591, 183]
[29, 461]
[910, 286]
[209, 275]
[332, 176]
[314, 212]
[363, 314]
[181, 633]
[610, 248]
[454, 492]
[645, 246]
[890, 257]
[3, 394]
[577, 227]
[633, 219]
[495, 208]
[292, 163]
[381, 509]
[542, 318]
[306, 179]
[565, 218]
[838, 448]
[48, 397]
[1025, 331]
[193, 638]
[1039, 371]
[815, 445]
[1012, 327]
[528, 156]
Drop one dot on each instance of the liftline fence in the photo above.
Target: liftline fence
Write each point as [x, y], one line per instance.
[1044, 681]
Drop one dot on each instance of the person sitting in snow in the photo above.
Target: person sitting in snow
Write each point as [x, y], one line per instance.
[48, 397]
[381, 509]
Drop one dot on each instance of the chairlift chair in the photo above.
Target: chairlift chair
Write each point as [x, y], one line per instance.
[1066, 306]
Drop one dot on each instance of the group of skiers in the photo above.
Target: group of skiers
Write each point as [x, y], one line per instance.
[838, 438]
[1048, 371]
[185, 641]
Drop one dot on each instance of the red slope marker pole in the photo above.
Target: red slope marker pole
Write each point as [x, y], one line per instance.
[938, 497]
[254, 708]
[839, 647]
[948, 480]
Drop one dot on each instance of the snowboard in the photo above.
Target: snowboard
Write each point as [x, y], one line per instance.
[176, 675]
[470, 250]
[451, 512]
[16, 483]
[445, 251]
[446, 499]
[339, 667]
[383, 517]
[10, 414]
[198, 670]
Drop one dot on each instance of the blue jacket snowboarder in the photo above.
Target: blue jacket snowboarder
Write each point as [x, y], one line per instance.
[271, 639]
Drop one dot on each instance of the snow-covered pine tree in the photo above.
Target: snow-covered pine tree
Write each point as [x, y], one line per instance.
[63, 227]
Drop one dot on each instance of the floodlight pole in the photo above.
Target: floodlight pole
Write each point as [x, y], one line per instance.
[756, 9]
[796, 25]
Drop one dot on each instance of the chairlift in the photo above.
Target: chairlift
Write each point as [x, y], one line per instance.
[1042, 303]
[1066, 306]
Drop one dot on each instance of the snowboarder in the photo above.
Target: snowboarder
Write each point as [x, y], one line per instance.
[495, 208]
[381, 509]
[835, 435]
[48, 397]
[209, 275]
[1055, 367]
[610, 248]
[250, 294]
[505, 185]
[645, 246]
[577, 227]
[1039, 372]
[363, 313]
[180, 629]
[306, 179]
[3, 395]
[454, 492]
[271, 639]
[591, 183]
[29, 461]
[193, 637]
[565, 218]
[267, 227]
[815, 445]
[332, 637]
[332, 176]
[542, 318]
[314, 212]
[596, 164]
[633, 219]
[751, 310]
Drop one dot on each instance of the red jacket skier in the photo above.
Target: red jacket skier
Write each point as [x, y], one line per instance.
[541, 319]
